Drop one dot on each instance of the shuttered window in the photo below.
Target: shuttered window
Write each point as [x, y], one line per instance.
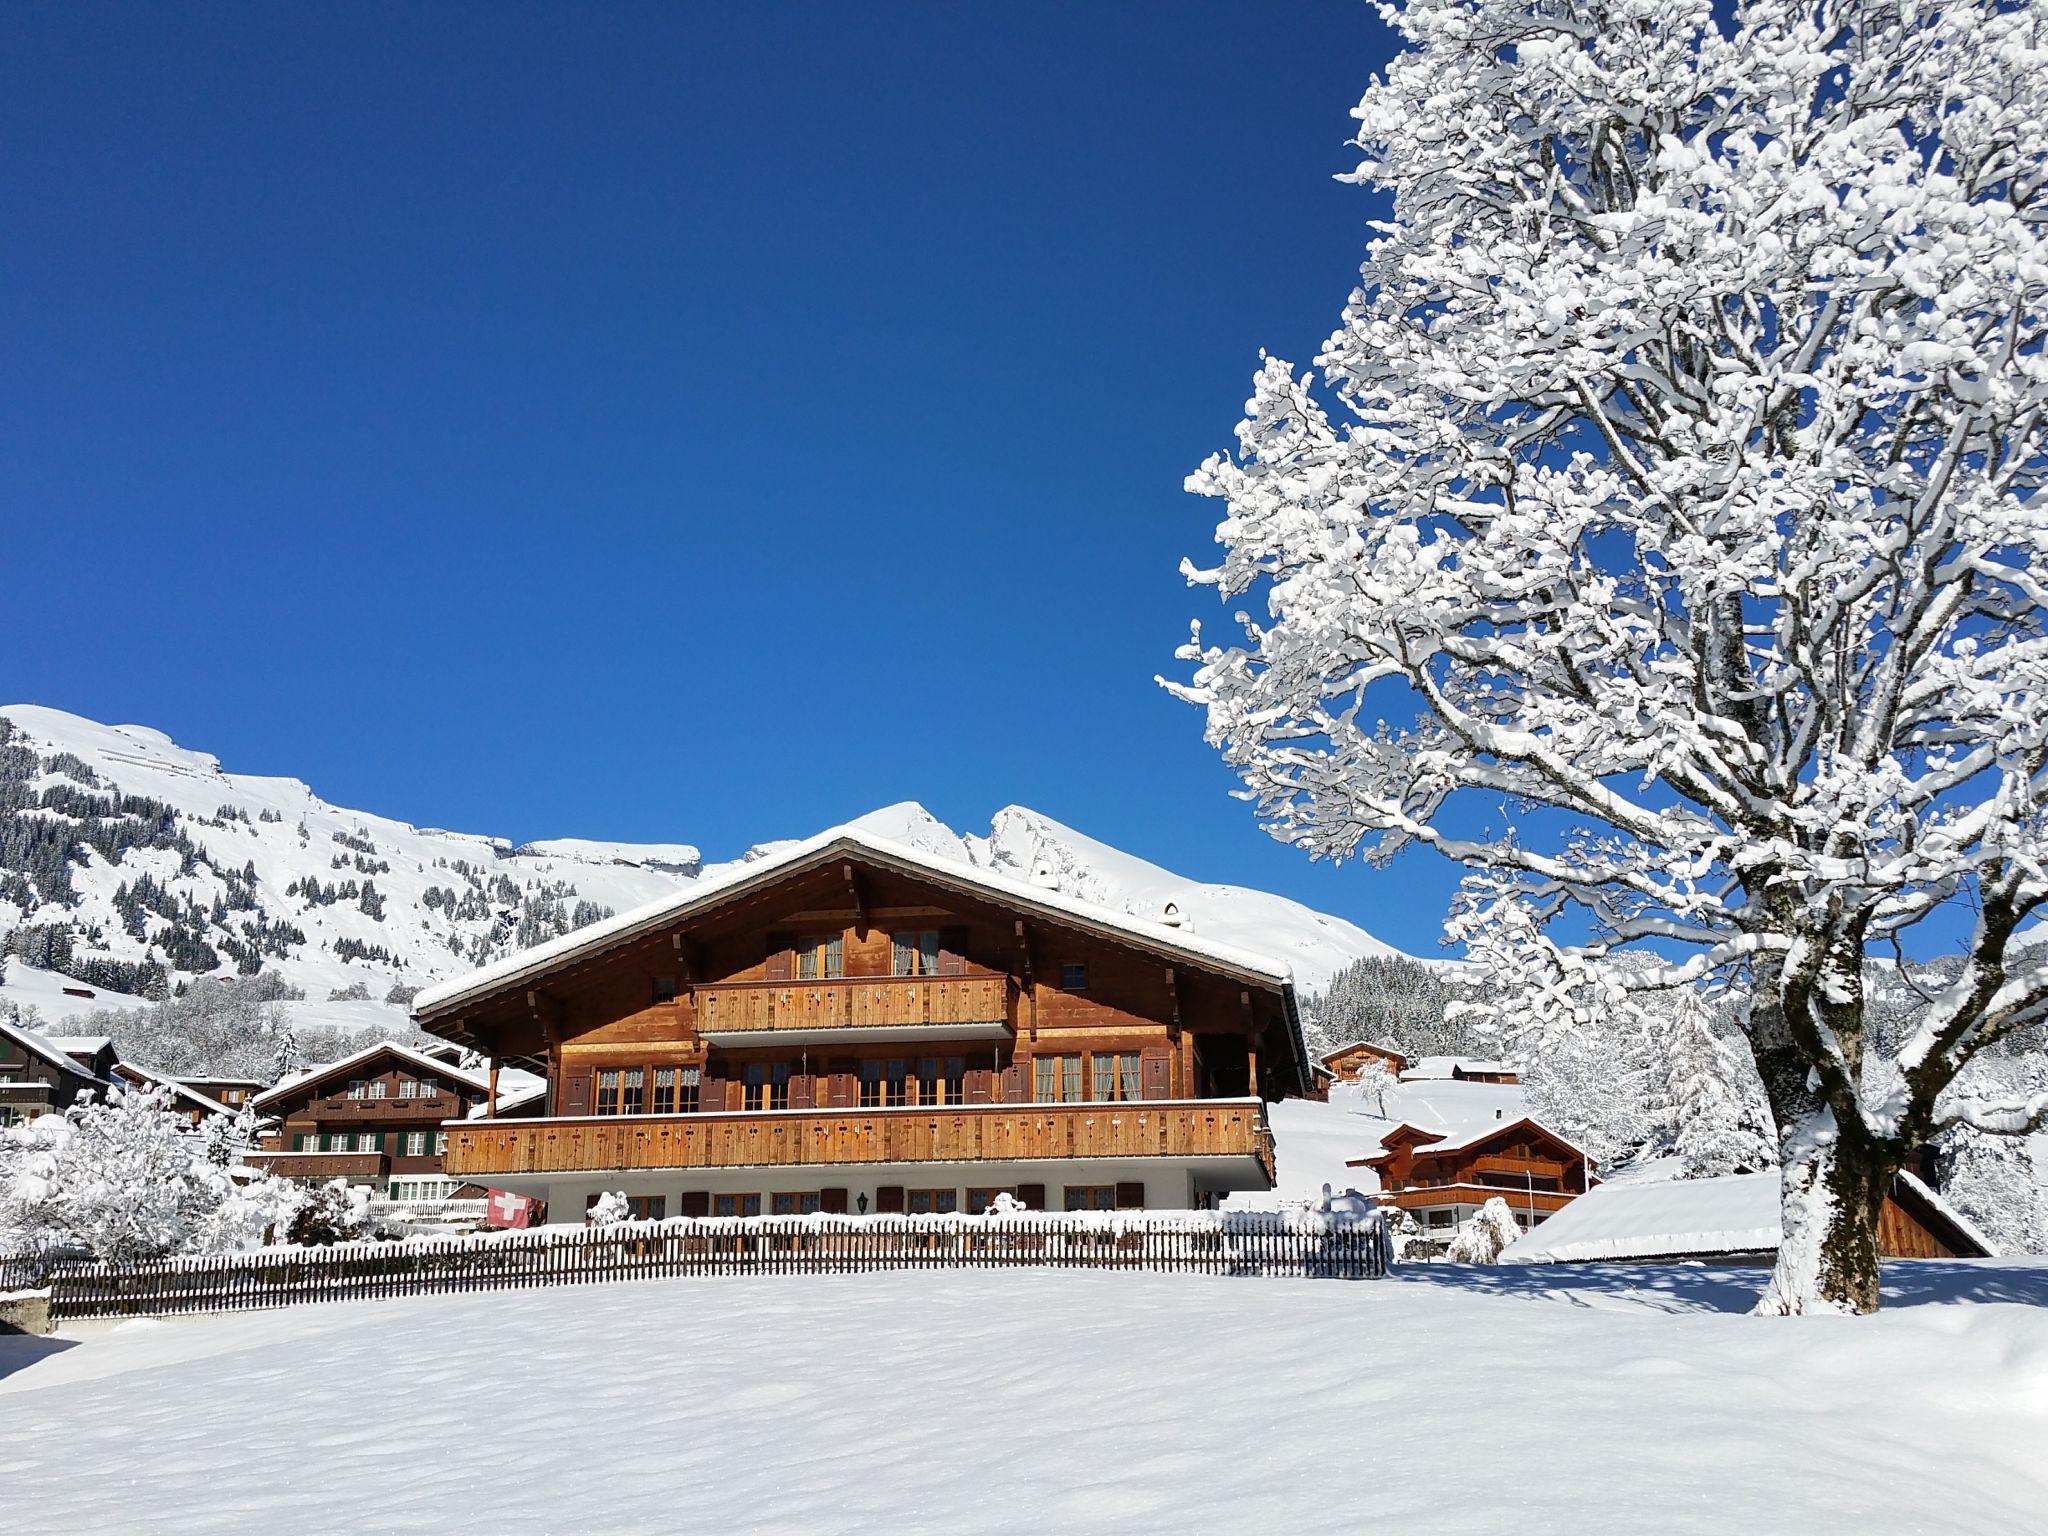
[980, 1199]
[608, 1092]
[882, 1083]
[1091, 1197]
[798, 1203]
[1116, 1075]
[915, 952]
[735, 1205]
[933, 1202]
[415, 1143]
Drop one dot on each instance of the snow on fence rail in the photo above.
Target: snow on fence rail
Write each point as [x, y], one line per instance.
[1286, 1244]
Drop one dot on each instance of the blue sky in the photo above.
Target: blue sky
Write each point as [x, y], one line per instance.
[663, 422]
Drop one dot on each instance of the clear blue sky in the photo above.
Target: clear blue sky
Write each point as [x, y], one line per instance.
[663, 422]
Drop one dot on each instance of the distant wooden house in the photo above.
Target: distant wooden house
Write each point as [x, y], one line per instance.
[1442, 1177]
[1459, 1069]
[229, 1092]
[1347, 1061]
[181, 1097]
[1732, 1219]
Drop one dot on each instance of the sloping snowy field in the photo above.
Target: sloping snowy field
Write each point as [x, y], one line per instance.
[1448, 1400]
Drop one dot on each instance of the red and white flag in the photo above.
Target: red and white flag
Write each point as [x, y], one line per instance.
[502, 1208]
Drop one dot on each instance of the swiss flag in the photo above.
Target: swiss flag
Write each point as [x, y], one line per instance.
[502, 1208]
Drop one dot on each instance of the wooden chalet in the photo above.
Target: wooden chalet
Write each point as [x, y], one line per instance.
[181, 1098]
[1441, 1178]
[39, 1077]
[1344, 1064]
[1459, 1069]
[853, 1024]
[375, 1118]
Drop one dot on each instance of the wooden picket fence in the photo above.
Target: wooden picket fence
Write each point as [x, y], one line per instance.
[1233, 1243]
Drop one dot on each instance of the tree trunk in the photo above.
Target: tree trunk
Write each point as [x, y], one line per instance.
[1831, 1190]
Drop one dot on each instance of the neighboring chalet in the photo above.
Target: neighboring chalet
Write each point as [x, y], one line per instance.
[1459, 1069]
[1442, 1177]
[1347, 1062]
[181, 1097]
[39, 1077]
[231, 1093]
[855, 1024]
[375, 1118]
[1733, 1219]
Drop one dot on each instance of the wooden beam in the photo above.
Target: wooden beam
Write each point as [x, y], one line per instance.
[860, 900]
[492, 1112]
[1026, 975]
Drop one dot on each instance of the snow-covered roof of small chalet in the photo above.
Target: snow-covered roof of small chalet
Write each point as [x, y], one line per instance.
[1435, 1143]
[1678, 1218]
[404, 1053]
[84, 1045]
[205, 1103]
[47, 1049]
[822, 849]
[1360, 1045]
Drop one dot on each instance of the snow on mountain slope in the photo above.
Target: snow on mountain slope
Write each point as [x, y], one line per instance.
[143, 851]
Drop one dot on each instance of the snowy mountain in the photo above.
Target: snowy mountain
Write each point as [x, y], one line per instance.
[128, 862]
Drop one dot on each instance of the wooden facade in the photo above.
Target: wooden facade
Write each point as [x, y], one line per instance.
[37, 1077]
[855, 1009]
[1441, 1180]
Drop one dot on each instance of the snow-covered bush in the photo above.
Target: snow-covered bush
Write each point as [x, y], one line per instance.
[128, 1179]
[609, 1210]
[1484, 1234]
[336, 1212]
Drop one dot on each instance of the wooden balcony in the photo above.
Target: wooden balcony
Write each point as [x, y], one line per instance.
[1422, 1197]
[965, 1133]
[321, 1165]
[875, 1007]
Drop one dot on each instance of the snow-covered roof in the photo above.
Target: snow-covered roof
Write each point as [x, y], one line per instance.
[89, 1045]
[178, 1087]
[1360, 1045]
[1675, 1218]
[820, 849]
[513, 1098]
[403, 1052]
[1432, 1143]
[45, 1048]
[1926, 1192]
[1432, 1067]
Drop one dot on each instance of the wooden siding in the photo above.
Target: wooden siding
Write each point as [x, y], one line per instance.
[967, 1134]
[325, 1165]
[852, 1003]
[1901, 1236]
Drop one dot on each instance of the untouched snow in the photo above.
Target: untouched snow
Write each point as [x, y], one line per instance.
[44, 991]
[1605, 1401]
[1313, 1141]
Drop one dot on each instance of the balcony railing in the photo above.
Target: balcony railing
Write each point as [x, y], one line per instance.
[966, 1133]
[1425, 1196]
[321, 1165]
[858, 1002]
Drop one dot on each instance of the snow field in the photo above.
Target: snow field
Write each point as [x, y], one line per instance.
[1453, 1400]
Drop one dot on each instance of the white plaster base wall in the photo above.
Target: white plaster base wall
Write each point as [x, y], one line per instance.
[1170, 1183]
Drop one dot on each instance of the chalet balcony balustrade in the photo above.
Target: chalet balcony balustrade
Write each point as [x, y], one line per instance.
[853, 1007]
[321, 1165]
[963, 1133]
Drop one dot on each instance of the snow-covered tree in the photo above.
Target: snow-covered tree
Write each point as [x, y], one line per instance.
[1993, 1181]
[1678, 459]
[1484, 1235]
[610, 1209]
[1718, 1123]
[128, 1179]
[1376, 1079]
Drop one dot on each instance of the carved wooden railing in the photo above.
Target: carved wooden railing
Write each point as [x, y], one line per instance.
[862, 1002]
[968, 1133]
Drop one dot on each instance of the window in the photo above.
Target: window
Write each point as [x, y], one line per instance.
[427, 1090]
[1073, 978]
[882, 1083]
[802, 1203]
[415, 1143]
[686, 1097]
[631, 1091]
[608, 1092]
[440, 1143]
[359, 1089]
[647, 1207]
[821, 957]
[941, 1079]
[767, 1085]
[664, 989]
[378, 1088]
[408, 1089]
[735, 1205]
[1058, 1079]
[1116, 1075]
[931, 1202]
[979, 1200]
[664, 1090]
[1091, 1197]
[367, 1141]
[300, 1143]
[915, 953]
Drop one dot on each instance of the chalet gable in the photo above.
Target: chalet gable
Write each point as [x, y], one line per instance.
[372, 1061]
[1426, 1145]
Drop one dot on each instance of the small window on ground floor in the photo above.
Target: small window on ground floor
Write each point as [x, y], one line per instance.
[647, 1207]
[980, 1199]
[1091, 1197]
[735, 1205]
[798, 1203]
[932, 1202]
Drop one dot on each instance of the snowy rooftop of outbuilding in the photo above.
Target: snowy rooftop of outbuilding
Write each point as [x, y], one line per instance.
[936, 864]
[1670, 1218]
[1444, 1067]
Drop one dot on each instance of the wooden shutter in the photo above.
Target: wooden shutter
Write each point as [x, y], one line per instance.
[981, 1085]
[1016, 1081]
[779, 945]
[693, 1202]
[952, 951]
[832, 1201]
[800, 1091]
[889, 1200]
[576, 1092]
[1130, 1197]
[1155, 1072]
[710, 1094]
[845, 1090]
[1033, 1196]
